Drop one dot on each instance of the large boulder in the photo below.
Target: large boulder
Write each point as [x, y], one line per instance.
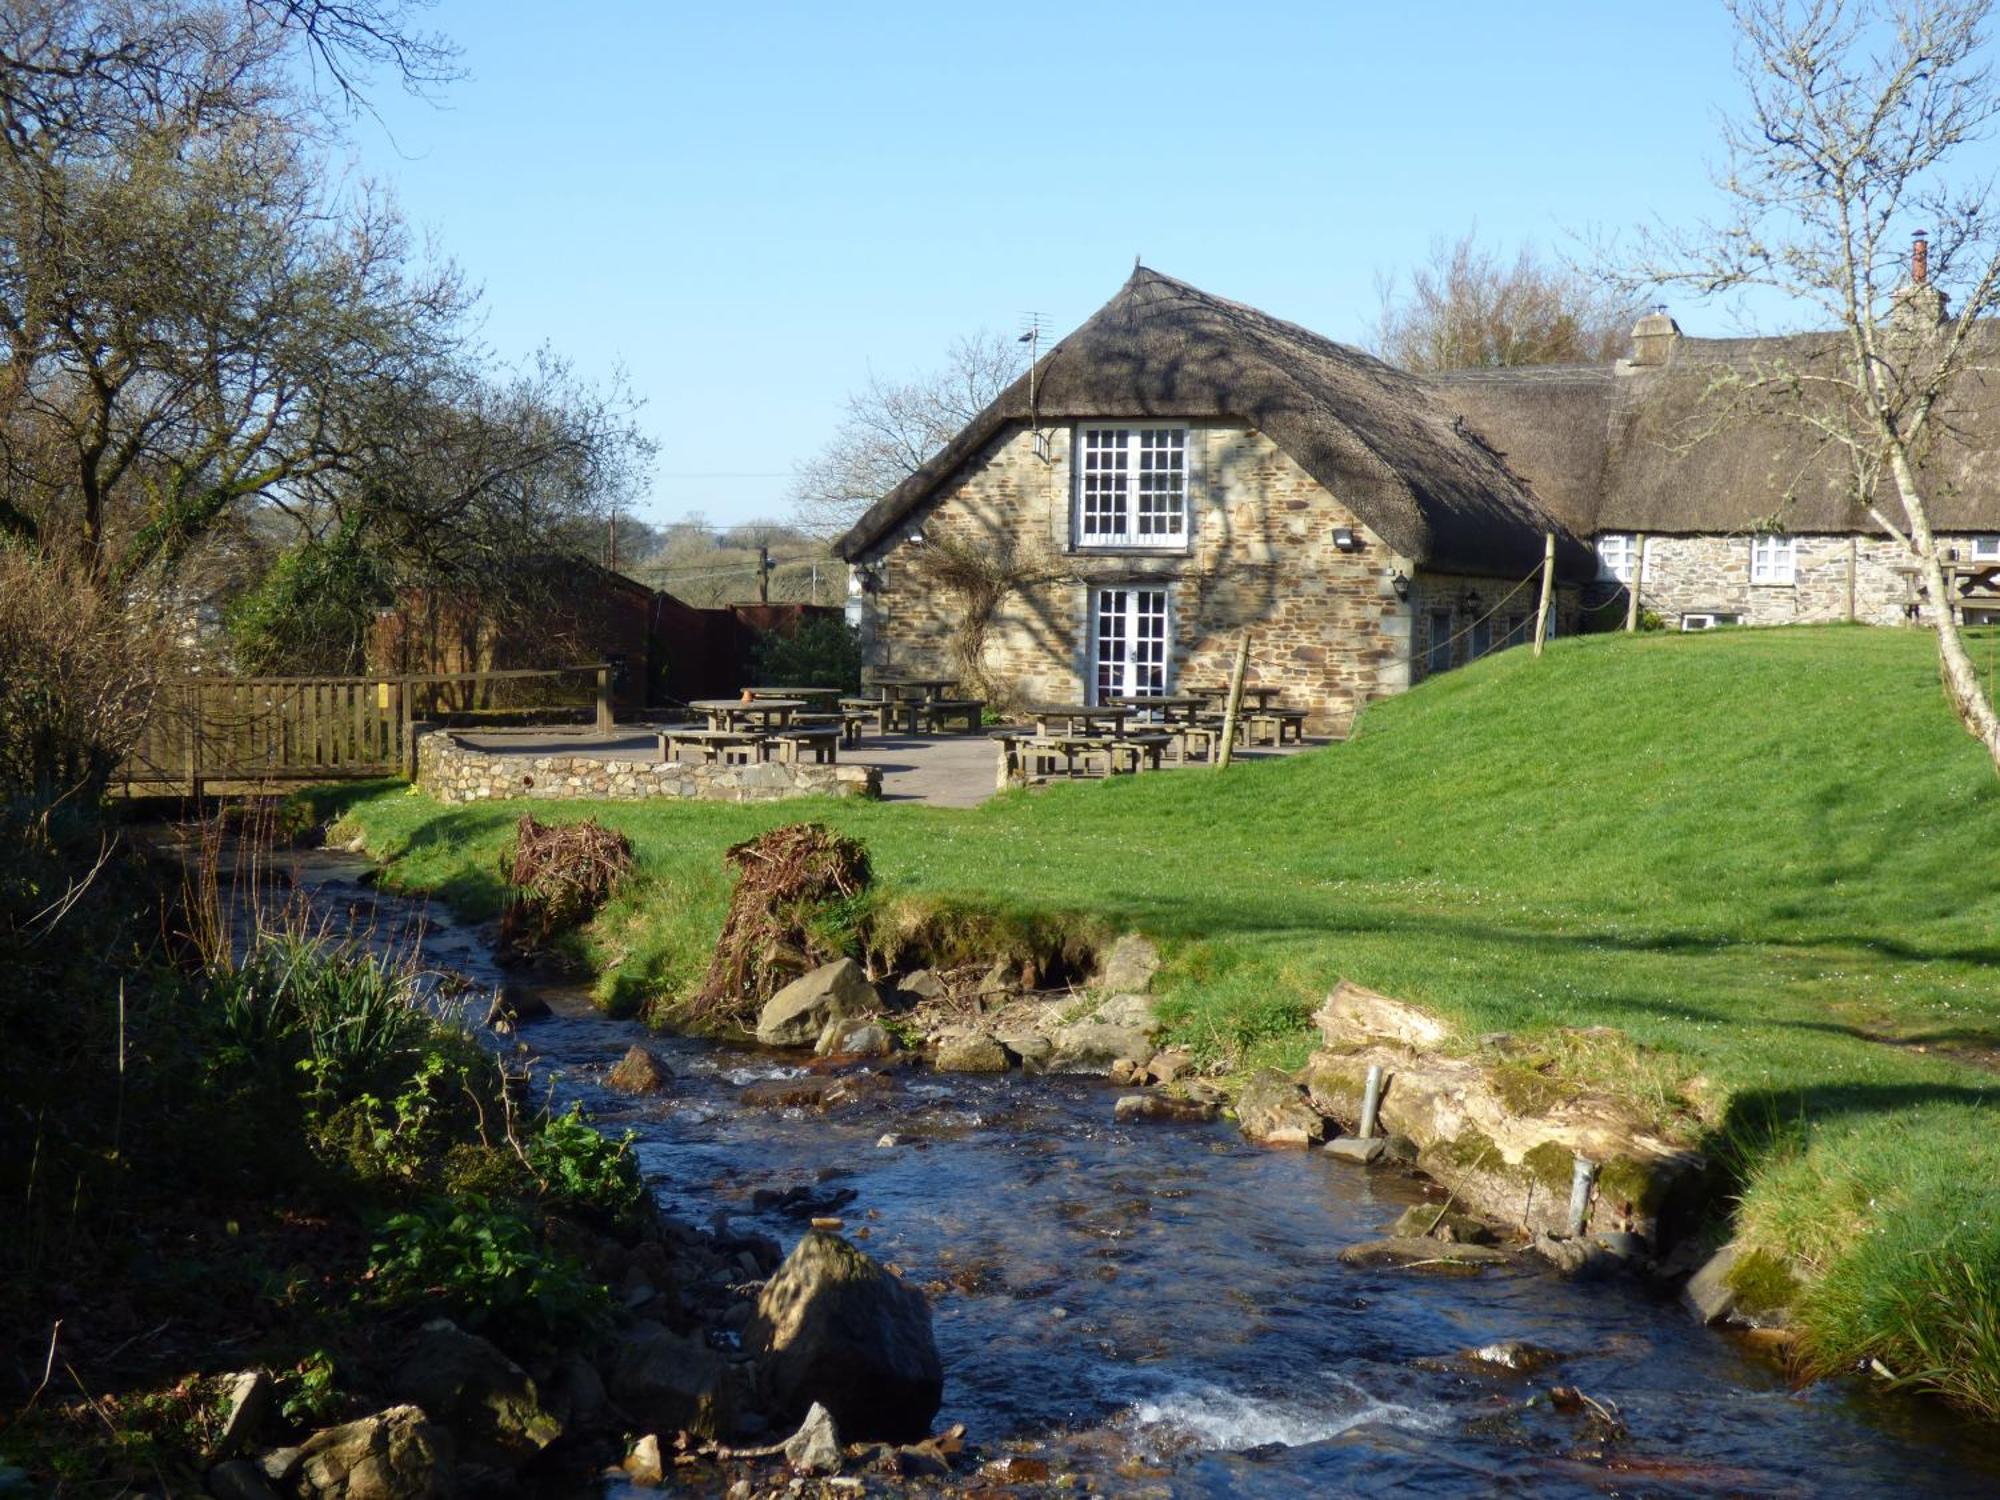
[639, 1071]
[850, 1038]
[833, 1326]
[1272, 1111]
[467, 1384]
[398, 1454]
[798, 1013]
[1091, 1047]
[1130, 965]
[668, 1383]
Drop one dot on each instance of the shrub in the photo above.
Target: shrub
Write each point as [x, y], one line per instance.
[482, 1263]
[822, 652]
[312, 612]
[79, 668]
[585, 1170]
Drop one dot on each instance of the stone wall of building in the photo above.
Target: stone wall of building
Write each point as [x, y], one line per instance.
[1326, 625]
[1456, 619]
[1836, 578]
[451, 771]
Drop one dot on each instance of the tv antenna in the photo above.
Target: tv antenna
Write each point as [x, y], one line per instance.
[1031, 335]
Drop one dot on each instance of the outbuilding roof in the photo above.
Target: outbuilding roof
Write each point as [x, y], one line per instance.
[1682, 448]
[1379, 439]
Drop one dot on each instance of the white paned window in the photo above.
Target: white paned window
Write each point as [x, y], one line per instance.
[1129, 639]
[1615, 550]
[1986, 549]
[1131, 487]
[1774, 559]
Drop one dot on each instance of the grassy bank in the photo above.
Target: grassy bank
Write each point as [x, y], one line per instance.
[1765, 856]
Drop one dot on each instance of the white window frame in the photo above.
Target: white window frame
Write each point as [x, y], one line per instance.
[1986, 549]
[1128, 537]
[1774, 560]
[1131, 683]
[1615, 553]
[1709, 619]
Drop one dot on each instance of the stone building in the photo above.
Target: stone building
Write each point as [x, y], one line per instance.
[1180, 470]
[1695, 449]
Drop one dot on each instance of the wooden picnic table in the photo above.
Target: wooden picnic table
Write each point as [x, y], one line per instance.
[1079, 718]
[805, 694]
[763, 714]
[894, 688]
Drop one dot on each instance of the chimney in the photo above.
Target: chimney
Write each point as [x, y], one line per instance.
[1917, 307]
[1653, 337]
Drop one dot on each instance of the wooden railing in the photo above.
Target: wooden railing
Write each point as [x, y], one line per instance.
[251, 729]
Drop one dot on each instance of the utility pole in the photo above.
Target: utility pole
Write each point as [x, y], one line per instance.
[763, 574]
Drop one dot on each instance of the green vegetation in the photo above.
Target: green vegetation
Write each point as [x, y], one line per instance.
[280, 1159]
[1757, 854]
[821, 652]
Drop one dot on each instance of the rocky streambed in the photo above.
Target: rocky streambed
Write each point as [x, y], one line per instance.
[1130, 1306]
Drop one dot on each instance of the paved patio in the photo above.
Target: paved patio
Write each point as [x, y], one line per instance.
[943, 770]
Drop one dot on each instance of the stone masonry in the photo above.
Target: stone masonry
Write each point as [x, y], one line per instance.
[1836, 578]
[1326, 625]
[453, 772]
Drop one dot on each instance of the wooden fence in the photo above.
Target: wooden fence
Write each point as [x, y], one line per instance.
[253, 729]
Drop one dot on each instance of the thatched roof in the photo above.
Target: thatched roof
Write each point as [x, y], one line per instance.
[1376, 437]
[1686, 448]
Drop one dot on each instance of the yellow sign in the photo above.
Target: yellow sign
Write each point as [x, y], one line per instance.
[382, 695]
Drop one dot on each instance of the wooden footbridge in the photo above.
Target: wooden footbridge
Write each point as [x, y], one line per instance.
[206, 731]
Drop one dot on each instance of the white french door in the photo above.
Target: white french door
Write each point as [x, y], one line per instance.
[1129, 635]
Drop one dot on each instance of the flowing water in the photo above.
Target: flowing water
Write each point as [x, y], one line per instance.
[1160, 1308]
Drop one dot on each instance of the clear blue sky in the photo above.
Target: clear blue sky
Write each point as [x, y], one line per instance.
[750, 206]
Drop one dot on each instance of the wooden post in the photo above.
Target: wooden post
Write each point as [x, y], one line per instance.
[1234, 707]
[404, 690]
[763, 575]
[1548, 590]
[604, 699]
[1637, 583]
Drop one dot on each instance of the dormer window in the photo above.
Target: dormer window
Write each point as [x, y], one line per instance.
[1131, 487]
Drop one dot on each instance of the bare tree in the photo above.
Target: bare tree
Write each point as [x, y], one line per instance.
[892, 427]
[1468, 308]
[1856, 112]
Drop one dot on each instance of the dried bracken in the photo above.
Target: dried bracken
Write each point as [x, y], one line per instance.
[559, 875]
[790, 882]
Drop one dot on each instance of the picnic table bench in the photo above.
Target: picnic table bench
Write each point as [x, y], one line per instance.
[796, 741]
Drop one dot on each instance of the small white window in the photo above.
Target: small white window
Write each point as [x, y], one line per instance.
[1982, 617]
[1986, 549]
[1709, 621]
[1131, 487]
[1774, 559]
[1614, 556]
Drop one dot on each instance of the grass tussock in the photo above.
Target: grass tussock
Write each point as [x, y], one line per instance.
[1756, 856]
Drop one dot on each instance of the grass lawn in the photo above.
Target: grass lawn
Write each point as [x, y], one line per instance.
[1768, 856]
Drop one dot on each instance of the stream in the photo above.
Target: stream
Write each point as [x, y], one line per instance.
[1159, 1309]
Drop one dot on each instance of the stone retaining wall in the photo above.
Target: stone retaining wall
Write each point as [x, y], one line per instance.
[454, 772]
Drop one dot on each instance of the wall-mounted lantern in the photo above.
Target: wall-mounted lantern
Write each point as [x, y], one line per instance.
[1345, 540]
[1400, 582]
